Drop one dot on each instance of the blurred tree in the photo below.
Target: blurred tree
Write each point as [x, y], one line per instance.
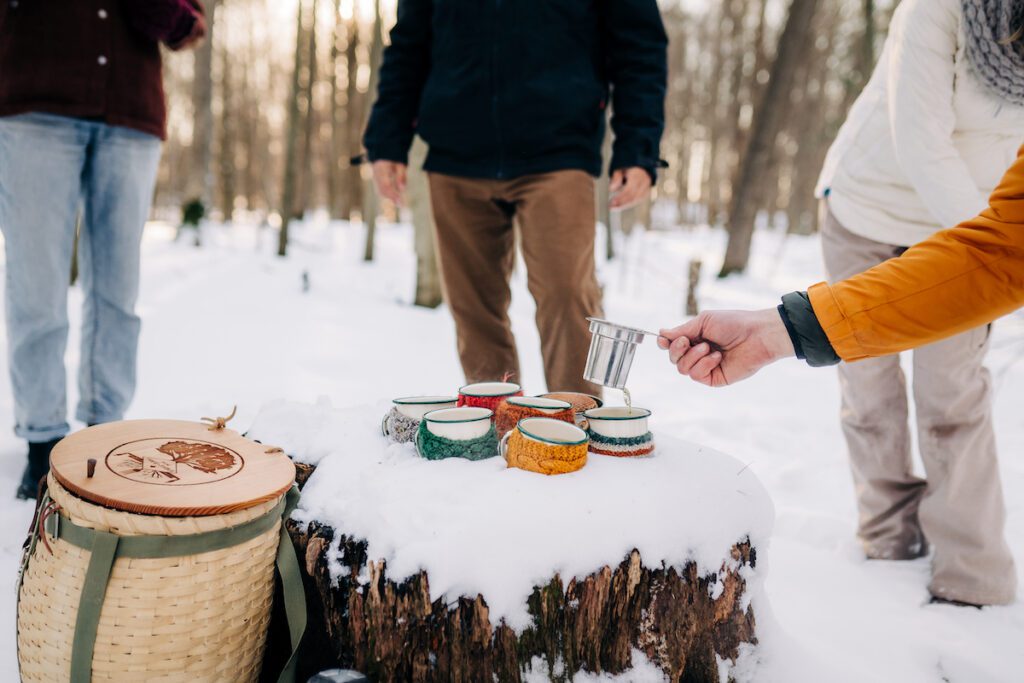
[371, 202]
[428, 276]
[768, 118]
[291, 136]
[200, 173]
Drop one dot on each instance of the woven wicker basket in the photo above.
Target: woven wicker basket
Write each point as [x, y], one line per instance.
[198, 618]
[195, 617]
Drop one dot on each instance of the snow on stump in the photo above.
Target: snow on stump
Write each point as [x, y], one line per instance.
[469, 571]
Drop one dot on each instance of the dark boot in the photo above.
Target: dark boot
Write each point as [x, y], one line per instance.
[936, 600]
[37, 467]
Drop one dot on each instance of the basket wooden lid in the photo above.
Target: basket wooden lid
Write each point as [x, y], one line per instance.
[170, 467]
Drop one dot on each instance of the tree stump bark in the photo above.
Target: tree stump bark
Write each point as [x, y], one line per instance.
[392, 631]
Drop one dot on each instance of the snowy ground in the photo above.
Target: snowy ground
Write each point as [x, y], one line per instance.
[229, 323]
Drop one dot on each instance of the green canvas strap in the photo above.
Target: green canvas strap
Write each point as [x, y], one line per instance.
[94, 590]
[105, 548]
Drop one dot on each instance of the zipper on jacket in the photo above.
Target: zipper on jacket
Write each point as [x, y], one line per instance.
[495, 114]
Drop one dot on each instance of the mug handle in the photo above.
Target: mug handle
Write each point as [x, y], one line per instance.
[503, 445]
[384, 426]
[416, 442]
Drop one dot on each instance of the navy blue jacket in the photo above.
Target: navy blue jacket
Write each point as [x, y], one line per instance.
[505, 88]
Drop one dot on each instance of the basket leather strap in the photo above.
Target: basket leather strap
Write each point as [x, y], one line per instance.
[105, 548]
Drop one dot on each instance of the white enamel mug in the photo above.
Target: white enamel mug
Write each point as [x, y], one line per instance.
[618, 422]
[548, 406]
[459, 424]
[415, 407]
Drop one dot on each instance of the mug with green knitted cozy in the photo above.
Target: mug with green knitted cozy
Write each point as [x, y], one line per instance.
[464, 432]
[401, 422]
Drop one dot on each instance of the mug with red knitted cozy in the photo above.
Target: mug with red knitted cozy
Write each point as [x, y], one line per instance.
[488, 395]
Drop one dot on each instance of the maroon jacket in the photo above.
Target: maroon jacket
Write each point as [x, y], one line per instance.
[96, 59]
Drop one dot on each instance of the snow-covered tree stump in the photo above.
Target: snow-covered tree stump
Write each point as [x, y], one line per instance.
[683, 622]
[453, 570]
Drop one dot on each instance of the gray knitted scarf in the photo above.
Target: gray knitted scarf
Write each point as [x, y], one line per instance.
[996, 60]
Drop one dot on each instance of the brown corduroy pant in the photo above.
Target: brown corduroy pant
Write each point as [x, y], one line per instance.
[959, 508]
[476, 248]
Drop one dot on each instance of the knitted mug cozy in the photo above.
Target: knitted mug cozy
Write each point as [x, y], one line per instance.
[434, 447]
[508, 416]
[544, 458]
[622, 447]
[489, 402]
[398, 427]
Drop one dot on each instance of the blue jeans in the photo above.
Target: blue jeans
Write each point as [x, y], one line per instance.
[50, 167]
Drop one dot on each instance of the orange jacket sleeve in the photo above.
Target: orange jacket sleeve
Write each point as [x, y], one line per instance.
[955, 280]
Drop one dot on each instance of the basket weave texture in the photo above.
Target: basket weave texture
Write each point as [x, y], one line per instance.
[200, 617]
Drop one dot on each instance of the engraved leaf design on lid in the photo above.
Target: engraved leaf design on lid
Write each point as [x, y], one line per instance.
[200, 456]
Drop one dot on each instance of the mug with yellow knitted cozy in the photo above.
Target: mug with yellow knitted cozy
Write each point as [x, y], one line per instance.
[516, 408]
[546, 446]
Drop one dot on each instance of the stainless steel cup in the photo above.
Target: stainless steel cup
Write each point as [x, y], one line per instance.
[611, 352]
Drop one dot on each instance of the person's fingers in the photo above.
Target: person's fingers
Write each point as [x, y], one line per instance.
[640, 179]
[617, 181]
[385, 177]
[685, 364]
[691, 329]
[702, 371]
[624, 199]
[678, 349]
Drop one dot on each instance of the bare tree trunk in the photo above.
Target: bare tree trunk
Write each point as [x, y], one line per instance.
[428, 275]
[794, 44]
[201, 173]
[353, 122]
[305, 167]
[371, 203]
[714, 181]
[291, 137]
[336, 143]
[227, 132]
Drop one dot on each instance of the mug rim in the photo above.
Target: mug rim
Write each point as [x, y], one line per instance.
[597, 399]
[487, 415]
[536, 437]
[423, 400]
[463, 392]
[562, 405]
[642, 413]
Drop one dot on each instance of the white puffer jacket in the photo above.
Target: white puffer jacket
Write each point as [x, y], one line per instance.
[925, 143]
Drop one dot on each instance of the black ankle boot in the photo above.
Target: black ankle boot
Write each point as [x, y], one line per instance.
[37, 467]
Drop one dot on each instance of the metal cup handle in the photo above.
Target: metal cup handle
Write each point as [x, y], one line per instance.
[503, 445]
[416, 442]
[384, 427]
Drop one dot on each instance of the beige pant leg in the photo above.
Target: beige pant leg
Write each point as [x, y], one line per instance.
[475, 249]
[962, 512]
[874, 418]
[557, 217]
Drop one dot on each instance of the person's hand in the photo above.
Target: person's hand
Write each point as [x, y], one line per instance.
[628, 186]
[390, 178]
[718, 348]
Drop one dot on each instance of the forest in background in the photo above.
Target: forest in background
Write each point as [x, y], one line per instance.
[266, 116]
